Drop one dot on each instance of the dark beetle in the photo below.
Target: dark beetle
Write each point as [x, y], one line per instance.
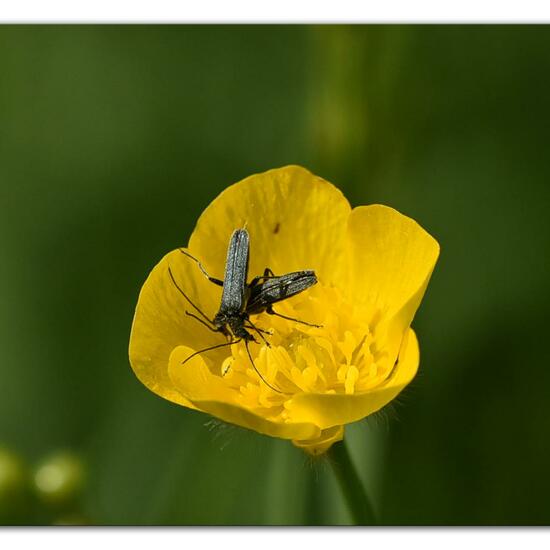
[277, 288]
[240, 300]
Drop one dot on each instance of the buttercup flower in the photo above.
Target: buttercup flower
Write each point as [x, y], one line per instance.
[373, 265]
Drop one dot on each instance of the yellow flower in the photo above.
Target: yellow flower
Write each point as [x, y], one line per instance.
[373, 265]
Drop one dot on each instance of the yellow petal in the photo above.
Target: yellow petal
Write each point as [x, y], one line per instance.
[391, 259]
[161, 324]
[328, 410]
[373, 256]
[295, 220]
[210, 394]
[321, 444]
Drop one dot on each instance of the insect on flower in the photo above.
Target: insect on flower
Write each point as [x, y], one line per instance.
[240, 300]
[368, 270]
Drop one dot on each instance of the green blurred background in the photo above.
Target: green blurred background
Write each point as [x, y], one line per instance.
[114, 139]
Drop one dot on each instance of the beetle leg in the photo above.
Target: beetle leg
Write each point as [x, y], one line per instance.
[271, 311]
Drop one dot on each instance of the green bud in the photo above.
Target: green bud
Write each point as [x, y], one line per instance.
[59, 480]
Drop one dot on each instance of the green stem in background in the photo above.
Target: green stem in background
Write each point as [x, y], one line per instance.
[354, 492]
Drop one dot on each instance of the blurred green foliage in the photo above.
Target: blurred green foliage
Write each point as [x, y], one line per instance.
[114, 139]
[15, 489]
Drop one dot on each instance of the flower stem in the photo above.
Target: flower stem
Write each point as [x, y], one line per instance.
[354, 492]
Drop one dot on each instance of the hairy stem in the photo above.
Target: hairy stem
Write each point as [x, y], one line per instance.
[354, 492]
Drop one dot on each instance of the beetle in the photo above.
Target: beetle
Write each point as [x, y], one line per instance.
[241, 299]
[276, 288]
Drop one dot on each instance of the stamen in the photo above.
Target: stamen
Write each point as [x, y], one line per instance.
[338, 358]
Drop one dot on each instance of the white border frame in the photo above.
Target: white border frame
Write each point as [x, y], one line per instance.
[274, 11]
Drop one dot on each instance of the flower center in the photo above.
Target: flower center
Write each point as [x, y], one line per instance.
[340, 357]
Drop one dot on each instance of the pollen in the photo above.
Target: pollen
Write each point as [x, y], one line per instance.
[340, 356]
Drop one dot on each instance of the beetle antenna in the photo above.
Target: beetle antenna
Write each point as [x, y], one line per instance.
[201, 321]
[210, 348]
[202, 268]
[259, 373]
[185, 295]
